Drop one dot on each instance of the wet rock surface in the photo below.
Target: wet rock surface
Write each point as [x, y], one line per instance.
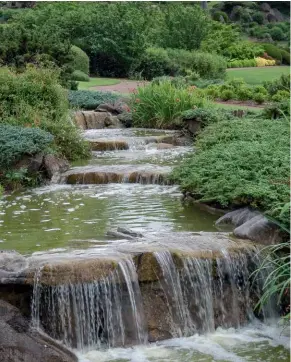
[252, 225]
[18, 343]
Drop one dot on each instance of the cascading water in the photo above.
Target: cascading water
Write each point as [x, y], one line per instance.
[102, 313]
[204, 293]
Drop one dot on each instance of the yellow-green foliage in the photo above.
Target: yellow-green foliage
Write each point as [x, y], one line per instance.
[262, 62]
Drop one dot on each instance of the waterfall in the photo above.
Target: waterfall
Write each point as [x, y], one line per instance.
[103, 313]
[203, 293]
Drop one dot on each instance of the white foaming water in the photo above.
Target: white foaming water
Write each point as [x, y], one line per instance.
[256, 342]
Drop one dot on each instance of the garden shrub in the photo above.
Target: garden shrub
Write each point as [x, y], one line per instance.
[218, 15]
[277, 110]
[282, 83]
[242, 63]
[34, 98]
[280, 96]
[243, 50]
[258, 17]
[156, 63]
[244, 162]
[277, 33]
[15, 142]
[260, 98]
[262, 62]
[281, 55]
[160, 105]
[227, 94]
[90, 100]
[80, 60]
[207, 65]
[79, 76]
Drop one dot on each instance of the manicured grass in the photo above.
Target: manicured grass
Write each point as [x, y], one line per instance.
[258, 75]
[238, 106]
[97, 82]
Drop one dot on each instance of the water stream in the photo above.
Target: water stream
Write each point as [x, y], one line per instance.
[208, 299]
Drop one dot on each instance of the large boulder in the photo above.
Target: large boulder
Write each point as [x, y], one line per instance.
[193, 126]
[237, 217]
[265, 7]
[31, 163]
[54, 167]
[252, 225]
[259, 229]
[19, 343]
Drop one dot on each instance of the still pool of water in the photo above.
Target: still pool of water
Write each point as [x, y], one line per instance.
[254, 343]
[76, 216]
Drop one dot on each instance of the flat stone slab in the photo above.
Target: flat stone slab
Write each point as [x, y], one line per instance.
[54, 268]
[145, 174]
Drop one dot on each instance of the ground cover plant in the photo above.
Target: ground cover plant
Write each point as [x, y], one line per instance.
[239, 162]
[90, 100]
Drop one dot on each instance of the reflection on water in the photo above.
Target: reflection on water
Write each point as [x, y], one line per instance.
[254, 343]
[62, 215]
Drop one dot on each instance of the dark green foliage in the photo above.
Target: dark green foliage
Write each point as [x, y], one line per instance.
[258, 17]
[220, 15]
[171, 62]
[277, 33]
[242, 162]
[184, 26]
[155, 63]
[20, 45]
[277, 53]
[85, 99]
[79, 76]
[15, 142]
[80, 60]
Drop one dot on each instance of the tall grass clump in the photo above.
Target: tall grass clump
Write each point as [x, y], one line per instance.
[275, 271]
[34, 98]
[159, 105]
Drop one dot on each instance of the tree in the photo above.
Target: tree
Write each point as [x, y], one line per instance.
[185, 26]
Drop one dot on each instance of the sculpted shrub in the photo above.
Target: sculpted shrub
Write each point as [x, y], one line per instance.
[80, 60]
[79, 76]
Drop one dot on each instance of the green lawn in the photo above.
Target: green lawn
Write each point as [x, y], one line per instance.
[258, 75]
[97, 82]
